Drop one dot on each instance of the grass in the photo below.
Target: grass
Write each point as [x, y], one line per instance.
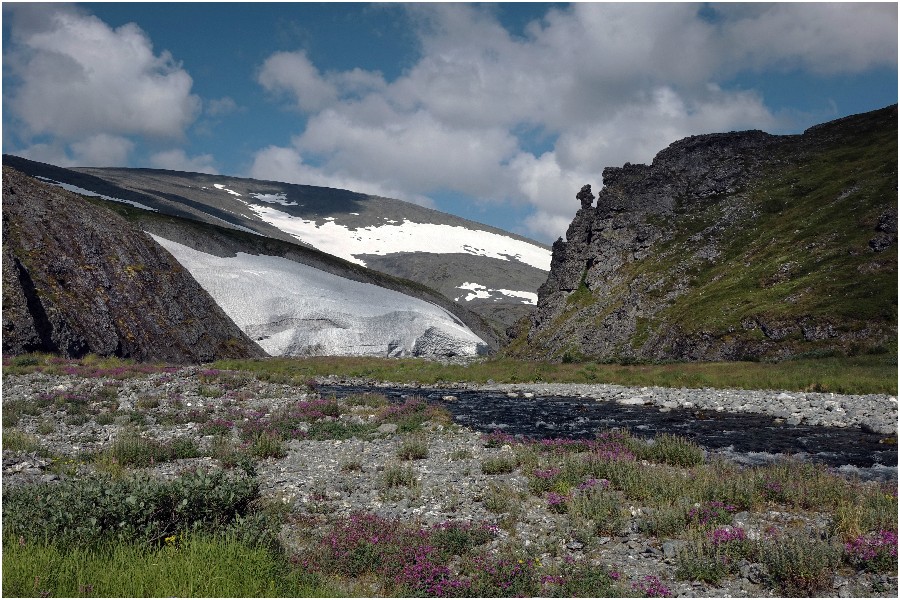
[863, 374]
[200, 566]
[867, 374]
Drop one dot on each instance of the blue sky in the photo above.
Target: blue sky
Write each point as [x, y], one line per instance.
[494, 112]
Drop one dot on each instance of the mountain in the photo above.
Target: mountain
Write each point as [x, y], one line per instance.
[78, 279]
[732, 246]
[492, 272]
[295, 300]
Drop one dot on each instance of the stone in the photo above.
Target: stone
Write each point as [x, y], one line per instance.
[387, 428]
[671, 548]
[636, 401]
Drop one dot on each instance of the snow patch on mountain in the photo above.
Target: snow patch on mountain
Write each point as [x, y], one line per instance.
[279, 198]
[349, 244]
[292, 309]
[482, 292]
[219, 186]
[84, 192]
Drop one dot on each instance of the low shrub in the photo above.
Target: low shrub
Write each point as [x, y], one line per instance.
[604, 508]
[409, 561]
[413, 448]
[133, 450]
[799, 566]
[267, 445]
[398, 476]
[576, 579]
[506, 574]
[16, 441]
[136, 508]
[714, 556]
[499, 465]
[673, 450]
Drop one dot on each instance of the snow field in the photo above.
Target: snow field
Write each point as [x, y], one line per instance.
[292, 309]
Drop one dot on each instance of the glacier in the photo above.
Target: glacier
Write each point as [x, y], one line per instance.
[291, 309]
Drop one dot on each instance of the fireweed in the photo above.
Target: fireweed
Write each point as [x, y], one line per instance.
[651, 587]
[876, 552]
[409, 560]
[711, 513]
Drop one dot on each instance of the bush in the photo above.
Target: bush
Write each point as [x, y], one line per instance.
[673, 450]
[499, 465]
[267, 445]
[800, 567]
[136, 508]
[414, 448]
[604, 508]
[876, 552]
[399, 476]
[579, 580]
[133, 450]
[714, 556]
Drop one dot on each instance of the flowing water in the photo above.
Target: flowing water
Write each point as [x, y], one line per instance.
[747, 438]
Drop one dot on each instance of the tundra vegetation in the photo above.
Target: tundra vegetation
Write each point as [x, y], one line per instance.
[109, 522]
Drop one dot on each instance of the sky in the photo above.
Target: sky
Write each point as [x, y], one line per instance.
[494, 112]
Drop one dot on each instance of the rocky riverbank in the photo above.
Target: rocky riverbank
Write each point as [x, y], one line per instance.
[424, 471]
[875, 413]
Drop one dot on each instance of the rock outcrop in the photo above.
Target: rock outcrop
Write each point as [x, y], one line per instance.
[78, 279]
[732, 246]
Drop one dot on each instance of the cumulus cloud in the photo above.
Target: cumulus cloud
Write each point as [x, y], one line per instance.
[604, 83]
[276, 163]
[89, 88]
[832, 38]
[294, 73]
[80, 77]
[103, 150]
[220, 107]
[177, 160]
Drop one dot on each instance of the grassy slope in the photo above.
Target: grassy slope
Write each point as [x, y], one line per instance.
[793, 247]
[817, 217]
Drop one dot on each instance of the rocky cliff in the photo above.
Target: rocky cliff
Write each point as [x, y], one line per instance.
[732, 246]
[79, 279]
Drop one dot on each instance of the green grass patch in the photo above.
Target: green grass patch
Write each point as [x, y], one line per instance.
[866, 374]
[196, 567]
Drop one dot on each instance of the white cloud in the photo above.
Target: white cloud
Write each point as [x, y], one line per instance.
[276, 163]
[413, 151]
[292, 72]
[610, 83]
[96, 150]
[80, 78]
[177, 160]
[102, 149]
[220, 107]
[827, 38]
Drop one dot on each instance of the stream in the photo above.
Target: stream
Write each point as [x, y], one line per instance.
[746, 438]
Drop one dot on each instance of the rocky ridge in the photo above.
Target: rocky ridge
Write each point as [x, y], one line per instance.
[78, 279]
[731, 246]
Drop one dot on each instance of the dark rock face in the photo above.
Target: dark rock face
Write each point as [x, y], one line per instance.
[763, 224]
[78, 279]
